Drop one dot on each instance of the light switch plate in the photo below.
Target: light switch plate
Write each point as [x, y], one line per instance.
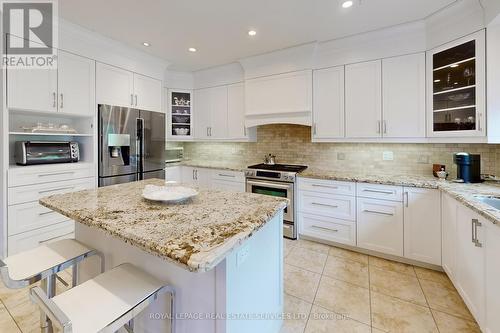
[388, 156]
[340, 156]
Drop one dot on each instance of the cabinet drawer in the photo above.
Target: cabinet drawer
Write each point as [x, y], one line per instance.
[338, 206]
[31, 239]
[327, 228]
[29, 175]
[233, 176]
[22, 194]
[384, 192]
[327, 186]
[29, 216]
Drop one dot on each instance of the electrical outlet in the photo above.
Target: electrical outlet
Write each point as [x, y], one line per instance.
[388, 156]
[242, 255]
[341, 156]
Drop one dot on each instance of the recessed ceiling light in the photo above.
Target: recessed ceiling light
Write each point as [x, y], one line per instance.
[437, 80]
[347, 4]
[454, 65]
[146, 44]
[252, 33]
[192, 49]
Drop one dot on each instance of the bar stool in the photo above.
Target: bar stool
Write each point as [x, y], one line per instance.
[105, 303]
[42, 264]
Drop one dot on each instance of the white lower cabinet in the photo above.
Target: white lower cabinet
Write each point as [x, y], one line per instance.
[173, 173]
[380, 226]
[449, 208]
[470, 272]
[327, 228]
[492, 263]
[196, 176]
[422, 225]
[226, 185]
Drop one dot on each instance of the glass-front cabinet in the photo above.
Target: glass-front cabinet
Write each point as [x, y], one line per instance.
[456, 88]
[180, 115]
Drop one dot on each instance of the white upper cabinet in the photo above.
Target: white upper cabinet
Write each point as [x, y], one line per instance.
[202, 118]
[114, 86]
[456, 96]
[147, 93]
[218, 112]
[422, 225]
[76, 84]
[363, 99]
[328, 103]
[282, 98]
[236, 111]
[403, 95]
[117, 86]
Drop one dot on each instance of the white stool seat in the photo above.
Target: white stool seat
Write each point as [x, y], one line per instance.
[97, 303]
[24, 265]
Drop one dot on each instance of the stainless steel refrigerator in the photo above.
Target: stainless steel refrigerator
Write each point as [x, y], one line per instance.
[131, 145]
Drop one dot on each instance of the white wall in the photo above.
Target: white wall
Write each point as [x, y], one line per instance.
[493, 82]
[218, 76]
[178, 80]
[492, 10]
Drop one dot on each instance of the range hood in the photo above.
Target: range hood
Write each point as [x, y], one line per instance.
[279, 99]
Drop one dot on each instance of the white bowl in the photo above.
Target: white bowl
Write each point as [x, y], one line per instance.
[168, 194]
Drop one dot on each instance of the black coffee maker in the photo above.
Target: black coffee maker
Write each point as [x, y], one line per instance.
[468, 167]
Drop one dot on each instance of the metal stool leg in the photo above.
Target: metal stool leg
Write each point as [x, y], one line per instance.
[49, 286]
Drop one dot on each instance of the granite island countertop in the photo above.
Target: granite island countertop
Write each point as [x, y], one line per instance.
[197, 234]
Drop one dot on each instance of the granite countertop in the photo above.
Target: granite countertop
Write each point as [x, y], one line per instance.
[231, 166]
[464, 193]
[197, 234]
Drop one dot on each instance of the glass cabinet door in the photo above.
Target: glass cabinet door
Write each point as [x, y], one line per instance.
[180, 114]
[457, 94]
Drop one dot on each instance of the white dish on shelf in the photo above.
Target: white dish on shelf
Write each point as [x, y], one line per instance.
[168, 194]
[63, 129]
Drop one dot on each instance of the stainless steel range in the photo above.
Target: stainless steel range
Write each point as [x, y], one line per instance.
[277, 180]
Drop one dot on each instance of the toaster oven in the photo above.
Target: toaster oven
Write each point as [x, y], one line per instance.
[45, 152]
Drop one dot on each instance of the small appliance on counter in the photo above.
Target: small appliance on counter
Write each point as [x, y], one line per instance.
[46, 152]
[468, 167]
[174, 154]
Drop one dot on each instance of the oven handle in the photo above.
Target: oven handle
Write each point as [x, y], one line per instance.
[275, 185]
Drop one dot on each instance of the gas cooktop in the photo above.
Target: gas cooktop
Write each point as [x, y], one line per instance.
[279, 167]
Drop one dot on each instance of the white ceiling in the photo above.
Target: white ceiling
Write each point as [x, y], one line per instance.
[218, 28]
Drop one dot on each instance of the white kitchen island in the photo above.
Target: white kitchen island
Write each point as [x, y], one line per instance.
[221, 251]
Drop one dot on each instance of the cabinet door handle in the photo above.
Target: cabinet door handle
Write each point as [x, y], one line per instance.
[56, 189]
[46, 213]
[324, 228]
[325, 186]
[207, 132]
[385, 126]
[135, 100]
[56, 174]
[378, 191]
[407, 199]
[378, 126]
[210, 131]
[476, 224]
[196, 173]
[473, 230]
[62, 100]
[54, 99]
[226, 175]
[132, 99]
[325, 205]
[377, 212]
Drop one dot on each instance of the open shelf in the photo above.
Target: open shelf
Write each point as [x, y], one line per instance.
[49, 134]
[457, 108]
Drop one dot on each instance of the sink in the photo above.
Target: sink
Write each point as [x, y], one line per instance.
[493, 201]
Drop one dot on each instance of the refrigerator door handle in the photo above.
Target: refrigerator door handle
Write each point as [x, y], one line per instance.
[140, 148]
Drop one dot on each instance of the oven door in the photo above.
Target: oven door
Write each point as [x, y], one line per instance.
[282, 190]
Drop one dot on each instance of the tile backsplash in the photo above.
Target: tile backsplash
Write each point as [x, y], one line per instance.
[292, 144]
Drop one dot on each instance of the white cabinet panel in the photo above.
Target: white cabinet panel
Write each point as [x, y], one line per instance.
[449, 235]
[236, 111]
[338, 206]
[492, 275]
[30, 216]
[363, 99]
[218, 113]
[403, 81]
[228, 175]
[327, 228]
[76, 84]
[422, 225]
[114, 86]
[196, 176]
[147, 93]
[384, 192]
[327, 186]
[32, 89]
[380, 226]
[202, 98]
[328, 103]
[49, 173]
[471, 267]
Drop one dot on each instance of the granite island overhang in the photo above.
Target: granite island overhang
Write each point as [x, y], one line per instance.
[221, 251]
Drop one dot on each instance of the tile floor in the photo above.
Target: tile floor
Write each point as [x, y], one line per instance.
[328, 289]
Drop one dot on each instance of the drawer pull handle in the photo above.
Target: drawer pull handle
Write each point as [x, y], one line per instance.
[226, 175]
[56, 189]
[378, 191]
[325, 205]
[376, 212]
[56, 237]
[46, 213]
[324, 228]
[325, 186]
[56, 174]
